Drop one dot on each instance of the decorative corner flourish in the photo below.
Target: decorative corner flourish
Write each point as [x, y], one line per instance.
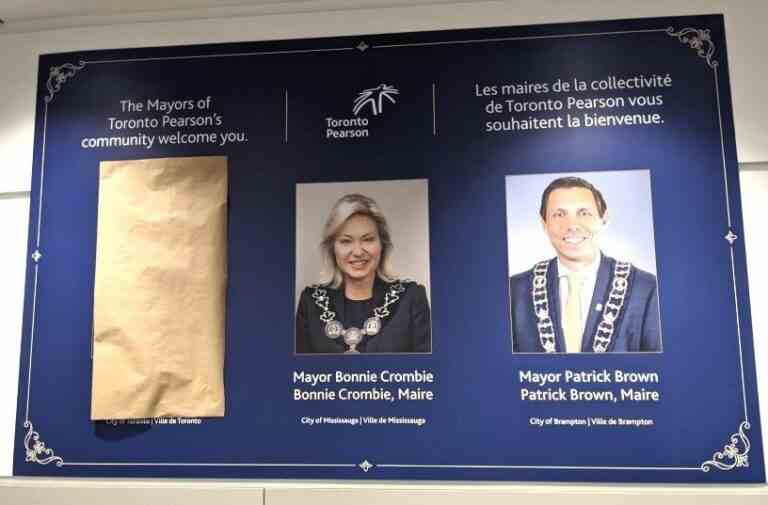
[38, 452]
[362, 46]
[731, 237]
[697, 39]
[59, 75]
[734, 454]
[366, 465]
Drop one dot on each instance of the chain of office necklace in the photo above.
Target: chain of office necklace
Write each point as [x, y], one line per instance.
[611, 309]
[353, 336]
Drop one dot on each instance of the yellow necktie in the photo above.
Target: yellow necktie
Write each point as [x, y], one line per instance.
[572, 325]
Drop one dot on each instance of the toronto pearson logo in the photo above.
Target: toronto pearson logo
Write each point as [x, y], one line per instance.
[354, 127]
[374, 97]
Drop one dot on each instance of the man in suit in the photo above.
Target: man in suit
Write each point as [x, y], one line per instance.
[582, 300]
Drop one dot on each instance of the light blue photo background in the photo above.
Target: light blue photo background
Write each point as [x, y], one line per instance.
[627, 236]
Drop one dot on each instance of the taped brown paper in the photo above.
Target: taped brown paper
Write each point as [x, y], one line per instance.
[159, 291]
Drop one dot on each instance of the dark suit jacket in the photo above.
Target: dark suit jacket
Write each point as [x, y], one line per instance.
[636, 330]
[406, 329]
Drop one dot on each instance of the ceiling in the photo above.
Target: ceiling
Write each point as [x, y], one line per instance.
[36, 15]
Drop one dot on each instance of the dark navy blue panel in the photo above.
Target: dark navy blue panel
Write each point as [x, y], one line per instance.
[283, 97]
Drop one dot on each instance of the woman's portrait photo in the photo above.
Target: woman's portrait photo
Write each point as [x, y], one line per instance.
[362, 268]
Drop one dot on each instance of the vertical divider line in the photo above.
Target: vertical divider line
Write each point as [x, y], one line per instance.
[738, 332]
[286, 116]
[722, 151]
[31, 343]
[434, 113]
[733, 260]
[42, 177]
[37, 266]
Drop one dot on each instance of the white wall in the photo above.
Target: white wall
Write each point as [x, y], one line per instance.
[754, 204]
[14, 211]
[745, 20]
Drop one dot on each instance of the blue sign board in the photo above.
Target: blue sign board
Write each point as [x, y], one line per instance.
[504, 159]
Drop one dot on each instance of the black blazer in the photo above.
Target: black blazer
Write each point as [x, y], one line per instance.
[406, 329]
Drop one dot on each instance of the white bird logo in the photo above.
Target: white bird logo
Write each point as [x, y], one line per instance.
[375, 98]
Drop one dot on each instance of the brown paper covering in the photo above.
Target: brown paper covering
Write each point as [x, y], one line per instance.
[159, 291]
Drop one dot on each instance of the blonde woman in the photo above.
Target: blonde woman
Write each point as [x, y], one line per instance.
[362, 308]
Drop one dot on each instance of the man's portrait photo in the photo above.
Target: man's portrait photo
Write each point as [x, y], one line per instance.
[362, 268]
[582, 263]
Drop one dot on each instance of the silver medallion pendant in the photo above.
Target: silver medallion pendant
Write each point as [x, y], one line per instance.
[333, 329]
[352, 337]
[372, 326]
